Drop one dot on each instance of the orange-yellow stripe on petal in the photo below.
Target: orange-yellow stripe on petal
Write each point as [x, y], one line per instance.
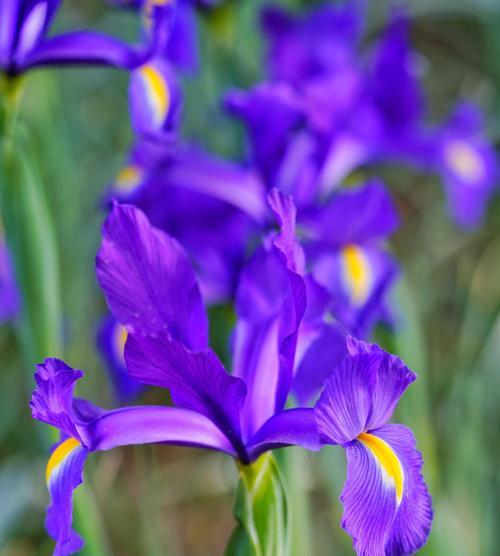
[356, 272]
[120, 335]
[387, 460]
[59, 455]
[157, 92]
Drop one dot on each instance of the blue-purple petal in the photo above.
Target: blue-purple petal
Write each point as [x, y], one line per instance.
[83, 47]
[292, 427]
[148, 281]
[361, 393]
[156, 424]
[196, 380]
[62, 479]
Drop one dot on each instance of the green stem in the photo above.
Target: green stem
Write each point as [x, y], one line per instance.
[31, 240]
[261, 509]
[297, 471]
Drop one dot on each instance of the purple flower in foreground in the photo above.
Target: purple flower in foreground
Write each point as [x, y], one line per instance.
[24, 42]
[387, 508]
[151, 289]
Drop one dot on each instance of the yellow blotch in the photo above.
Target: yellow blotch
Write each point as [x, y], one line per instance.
[128, 178]
[387, 459]
[120, 337]
[59, 455]
[464, 160]
[356, 270]
[158, 92]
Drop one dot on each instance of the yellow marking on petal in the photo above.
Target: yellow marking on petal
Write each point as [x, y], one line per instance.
[157, 91]
[120, 336]
[464, 160]
[59, 455]
[128, 178]
[387, 459]
[357, 274]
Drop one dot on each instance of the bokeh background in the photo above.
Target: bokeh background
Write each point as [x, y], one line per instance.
[166, 501]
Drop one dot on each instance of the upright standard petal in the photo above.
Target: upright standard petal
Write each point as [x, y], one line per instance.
[271, 302]
[148, 281]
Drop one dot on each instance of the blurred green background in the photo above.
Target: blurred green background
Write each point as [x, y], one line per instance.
[156, 501]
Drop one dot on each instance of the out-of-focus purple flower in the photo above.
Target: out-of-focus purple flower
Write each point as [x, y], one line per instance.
[211, 206]
[358, 110]
[320, 43]
[24, 42]
[9, 294]
[346, 254]
[151, 288]
[468, 165]
[181, 48]
[387, 507]
[155, 100]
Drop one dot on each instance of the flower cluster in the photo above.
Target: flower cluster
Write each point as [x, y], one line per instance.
[292, 235]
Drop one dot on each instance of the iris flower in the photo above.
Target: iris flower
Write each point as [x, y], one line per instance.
[151, 287]
[154, 96]
[182, 48]
[364, 108]
[24, 40]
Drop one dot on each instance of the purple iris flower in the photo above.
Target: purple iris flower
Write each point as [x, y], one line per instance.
[387, 508]
[182, 47]
[467, 163]
[150, 286]
[360, 109]
[24, 42]
[213, 207]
